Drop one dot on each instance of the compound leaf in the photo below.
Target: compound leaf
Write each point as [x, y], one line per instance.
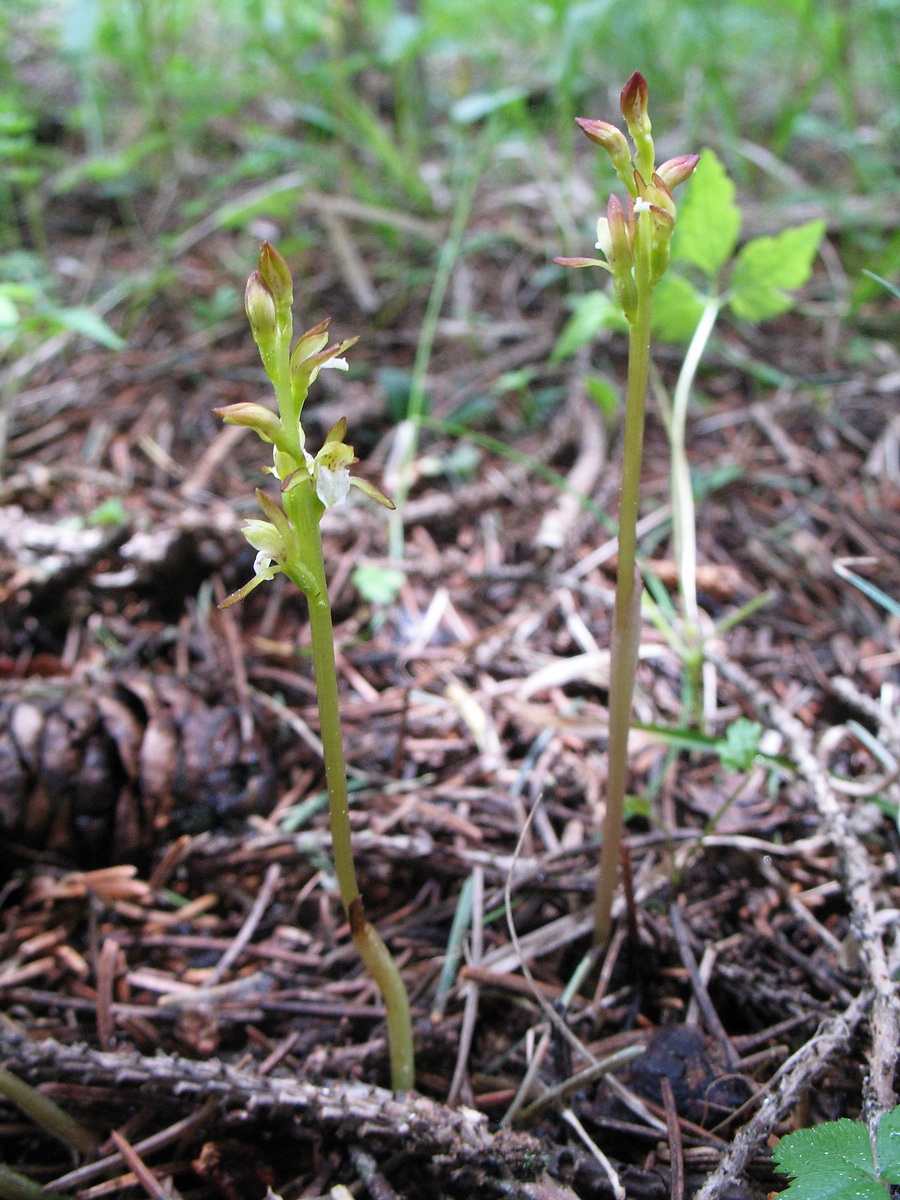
[887, 1146]
[738, 749]
[830, 1162]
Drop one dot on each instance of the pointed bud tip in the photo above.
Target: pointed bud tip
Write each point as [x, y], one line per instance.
[634, 92]
[259, 304]
[676, 170]
[276, 275]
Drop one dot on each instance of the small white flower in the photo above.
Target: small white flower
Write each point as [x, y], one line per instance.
[604, 237]
[642, 206]
[264, 537]
[332, 487]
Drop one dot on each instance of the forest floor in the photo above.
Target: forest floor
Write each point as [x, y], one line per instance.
[174, 962]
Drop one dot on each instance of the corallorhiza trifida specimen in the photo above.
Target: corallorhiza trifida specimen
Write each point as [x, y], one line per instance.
[289, 541]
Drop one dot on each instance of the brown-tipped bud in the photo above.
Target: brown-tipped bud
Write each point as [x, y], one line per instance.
[582, 262]
[633, 102]
[634, 109]
[613, 141]
[252, 416]
[310, 343]
[676, 170]
[621, 252]
[260, 307]
[661, 196]
[276, 275]
[654, 196]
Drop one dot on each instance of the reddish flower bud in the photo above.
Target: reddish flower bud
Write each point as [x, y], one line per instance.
[676, 170]
[634, 109]
[633, 102]
[621, 253]
[582, 262]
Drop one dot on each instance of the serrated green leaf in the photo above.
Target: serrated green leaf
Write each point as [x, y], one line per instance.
[830, 1162]
[677, 307]
[709, 221]
[825, 1185]
[378, 585]
[767, 268]
[591, 313]
[887, 1146]
[740, 746]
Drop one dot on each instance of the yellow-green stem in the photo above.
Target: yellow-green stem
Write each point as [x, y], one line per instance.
[626, 618]
[44, 1112]
[300, 505]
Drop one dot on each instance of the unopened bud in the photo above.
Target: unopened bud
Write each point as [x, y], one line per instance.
[276, 275]
[676, 170]
[633, 102]
[260, 307]
[621, 237]
[613, 141]
[253, 416]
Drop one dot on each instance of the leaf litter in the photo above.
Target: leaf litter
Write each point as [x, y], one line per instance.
[174, 965]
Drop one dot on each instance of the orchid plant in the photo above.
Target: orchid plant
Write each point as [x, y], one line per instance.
[635, 241]
[289, 542]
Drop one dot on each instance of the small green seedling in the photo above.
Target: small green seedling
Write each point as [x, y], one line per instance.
[835, 1161]
[635, 241]
[289, 542]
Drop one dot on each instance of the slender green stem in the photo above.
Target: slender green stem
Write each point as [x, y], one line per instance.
[14, 1186]
[627, 616]
[44, 1112]
[300, 504]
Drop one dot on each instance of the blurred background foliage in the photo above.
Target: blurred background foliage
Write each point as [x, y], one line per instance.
[164, 109]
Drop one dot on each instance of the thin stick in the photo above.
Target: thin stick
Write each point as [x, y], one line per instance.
[710, 1016]
[245, 933]
[676, 1146]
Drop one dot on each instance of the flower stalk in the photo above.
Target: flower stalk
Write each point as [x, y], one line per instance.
[634, 240]
[289, 541]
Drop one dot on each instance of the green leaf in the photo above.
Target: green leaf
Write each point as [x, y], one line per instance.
[677, 308]
[769, 267]
[740, 746]
[109, 512]
[603, 394]
[591, 313]
[887, 1146]
[830, 1162]
[709, 221]
[86, 322]
[378, 585]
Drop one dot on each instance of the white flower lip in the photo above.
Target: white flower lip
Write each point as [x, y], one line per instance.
[332, 487]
